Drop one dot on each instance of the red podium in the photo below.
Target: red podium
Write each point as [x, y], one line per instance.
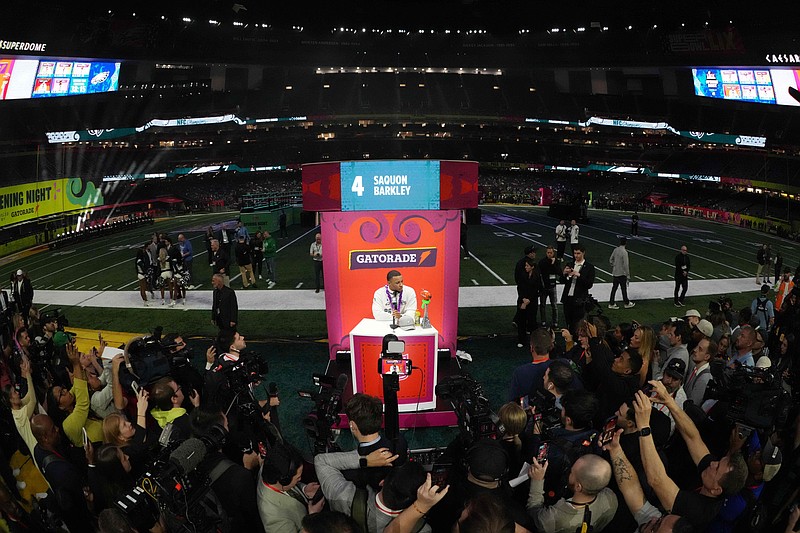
[417, 390]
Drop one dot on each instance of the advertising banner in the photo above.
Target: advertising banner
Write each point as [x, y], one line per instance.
[28, 201]
[361, 247]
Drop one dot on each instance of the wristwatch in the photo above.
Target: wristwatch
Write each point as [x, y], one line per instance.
[362, 462]
[644, 432]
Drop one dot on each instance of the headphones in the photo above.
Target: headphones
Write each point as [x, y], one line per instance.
[487, 444]
[291, 470]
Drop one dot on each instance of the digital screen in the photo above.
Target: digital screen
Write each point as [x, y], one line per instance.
[389, 185]
[34, 78]
[763, 85]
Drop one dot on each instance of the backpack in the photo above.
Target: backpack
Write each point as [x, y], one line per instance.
[358, 511]
[755, 517]
[761, 307]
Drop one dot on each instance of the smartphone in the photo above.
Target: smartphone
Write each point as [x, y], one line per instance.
[401, 367]
[647, 388]
[135, 387]
[439, 475]
[524, 402]
[541, 456]
[85, 437]
[609, 428]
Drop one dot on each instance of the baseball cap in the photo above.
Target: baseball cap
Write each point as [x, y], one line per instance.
[692, 312]
[19, 272]
[62, 338]
[705, 327]
[406, 323]
[771, 458]
[676, 368]
[763, 362]
[487, 460]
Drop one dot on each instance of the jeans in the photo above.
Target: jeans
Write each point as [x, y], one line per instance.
[621, 281]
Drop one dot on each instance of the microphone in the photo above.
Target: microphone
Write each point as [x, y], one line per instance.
[392, 304]
[188, 455]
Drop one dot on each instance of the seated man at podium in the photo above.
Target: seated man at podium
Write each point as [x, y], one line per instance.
[394, 300]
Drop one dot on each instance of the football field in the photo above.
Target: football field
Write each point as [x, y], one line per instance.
[77, 277]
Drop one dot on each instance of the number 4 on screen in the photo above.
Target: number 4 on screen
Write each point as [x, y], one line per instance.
[358, 186]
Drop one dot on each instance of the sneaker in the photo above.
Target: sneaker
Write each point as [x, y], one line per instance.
[513, 323]
[629, 305]
[316, 291]
[519, 345]
[677, 304]
[172, 303]
[259, 276]
[271, 284]
[613, 306]
[184, 302]
[146, 303]
[163, 302]
[682, 304]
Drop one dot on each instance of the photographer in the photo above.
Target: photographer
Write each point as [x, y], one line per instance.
[283, 501]
[70, 407]
[375, 510]
[167, 396]
[234, 484]
[565, 443]
[591, 502]
[180, 363]
[720, 478]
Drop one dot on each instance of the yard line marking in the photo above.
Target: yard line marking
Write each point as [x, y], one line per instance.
[475, 282]
[630, 251]
[105, 288]
[698, 275]
[711, 276]
[92, 287]
[68, 287]
[128, 284]
[601, 280]
[640, 279]
[44, 307]
[79, 288]
[492, 272]
[659, 279]
[297, 239]
[298, 285]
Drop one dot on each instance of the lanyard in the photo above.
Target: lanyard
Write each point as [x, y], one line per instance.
[399, 300]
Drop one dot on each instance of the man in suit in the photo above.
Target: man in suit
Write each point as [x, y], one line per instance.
[23, 294]
[225, 308]
[220, 262]
[578, 280]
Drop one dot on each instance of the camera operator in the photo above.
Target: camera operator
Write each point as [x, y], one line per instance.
[217, 387]
[180, 363]
[233, 483]
[167, 397]
[365, 415]
[283, 501]
[373, 512]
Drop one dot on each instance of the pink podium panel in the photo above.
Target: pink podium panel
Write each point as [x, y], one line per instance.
[417, 390]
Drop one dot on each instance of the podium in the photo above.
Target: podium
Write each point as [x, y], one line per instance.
[417, 391]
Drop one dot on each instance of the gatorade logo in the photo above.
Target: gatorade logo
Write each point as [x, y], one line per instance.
[383, 259]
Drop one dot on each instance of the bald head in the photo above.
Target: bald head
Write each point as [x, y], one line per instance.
[43, 428]
[592, 472]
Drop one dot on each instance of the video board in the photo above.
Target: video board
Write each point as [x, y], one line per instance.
[758, 84]
[44, 78]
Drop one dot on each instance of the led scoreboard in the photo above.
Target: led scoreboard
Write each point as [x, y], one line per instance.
[389, 185]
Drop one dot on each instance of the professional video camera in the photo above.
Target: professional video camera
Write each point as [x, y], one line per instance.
[475, 419]
[176, 485]
[325, 414]
[146, 359]
[754, 396]
[545, 413]
[248, 370]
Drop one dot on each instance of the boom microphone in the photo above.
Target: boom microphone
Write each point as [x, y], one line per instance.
[188, 455]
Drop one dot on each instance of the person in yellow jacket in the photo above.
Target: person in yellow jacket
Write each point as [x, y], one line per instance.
[167, 396]
[73, 404]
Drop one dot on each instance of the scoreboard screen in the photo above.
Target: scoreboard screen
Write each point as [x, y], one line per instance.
[763, 85]
[390, 185]
[44, 78]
